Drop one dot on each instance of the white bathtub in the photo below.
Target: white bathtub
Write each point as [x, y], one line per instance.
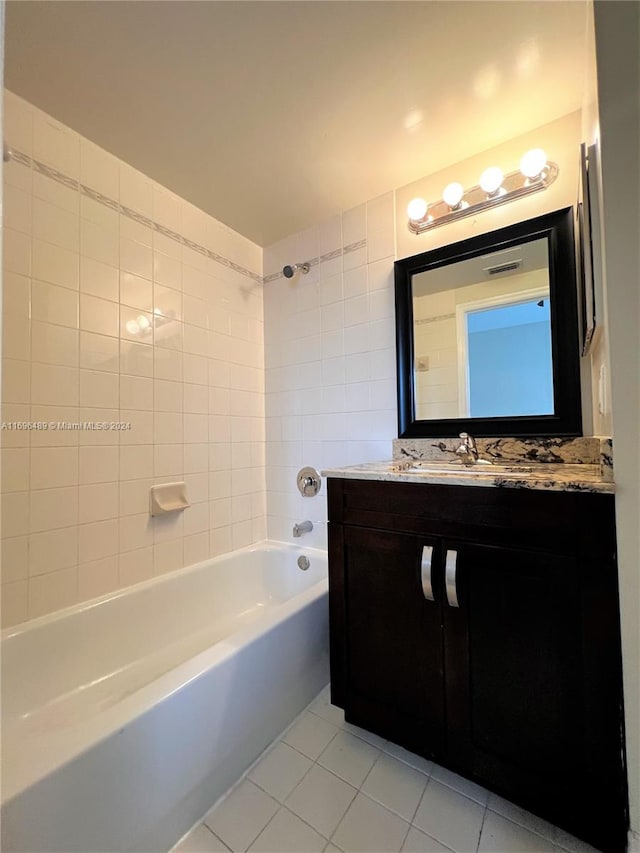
[125, 718]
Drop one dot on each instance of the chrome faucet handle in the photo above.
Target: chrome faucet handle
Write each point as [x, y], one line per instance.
[467, 450]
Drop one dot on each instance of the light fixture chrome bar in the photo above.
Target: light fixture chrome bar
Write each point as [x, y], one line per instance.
[475, 199]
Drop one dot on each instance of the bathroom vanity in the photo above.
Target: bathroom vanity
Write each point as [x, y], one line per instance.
[474, 620]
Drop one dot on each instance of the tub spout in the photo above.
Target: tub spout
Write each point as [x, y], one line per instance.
[303, 527]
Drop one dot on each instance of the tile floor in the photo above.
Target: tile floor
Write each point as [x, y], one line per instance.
[326, 786]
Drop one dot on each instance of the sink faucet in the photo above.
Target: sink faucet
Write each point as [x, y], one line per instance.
[303, 527]
[467, 450]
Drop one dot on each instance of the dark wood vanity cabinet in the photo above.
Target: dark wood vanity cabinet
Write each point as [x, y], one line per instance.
[479, 627]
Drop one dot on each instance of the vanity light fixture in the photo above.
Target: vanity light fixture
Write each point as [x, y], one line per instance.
[535, 173]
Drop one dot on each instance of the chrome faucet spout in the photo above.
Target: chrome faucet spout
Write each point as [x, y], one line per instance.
[302, 527]
[467, 450]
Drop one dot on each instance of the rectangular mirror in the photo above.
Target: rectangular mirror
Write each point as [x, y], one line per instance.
[487, 336]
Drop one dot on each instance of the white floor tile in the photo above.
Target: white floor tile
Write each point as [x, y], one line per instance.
[349, 757]
[500, 835]
[241, 817]
[395, 785]
[323, 708]
[566, 841]
[522, 817]
[200, 840]
[370, 828]
[321, 799]
[421, 764]
[286, 833]
[450, 818]
[363, 734]
[280, 770]
[418, 842]
[310, 735]
[460, 784]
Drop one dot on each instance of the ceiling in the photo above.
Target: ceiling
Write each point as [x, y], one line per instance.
[272, 116]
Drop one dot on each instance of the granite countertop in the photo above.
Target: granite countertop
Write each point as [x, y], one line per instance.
[554, 478]
[557, 465]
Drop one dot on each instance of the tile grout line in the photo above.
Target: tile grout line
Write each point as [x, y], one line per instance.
[117, 207]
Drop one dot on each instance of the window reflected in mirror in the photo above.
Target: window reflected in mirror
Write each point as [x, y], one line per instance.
[482, 336]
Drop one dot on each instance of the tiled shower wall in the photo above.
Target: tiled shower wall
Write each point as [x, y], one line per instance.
[122, 303]
[329, 357]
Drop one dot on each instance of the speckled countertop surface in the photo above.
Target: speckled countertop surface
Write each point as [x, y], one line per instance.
[557, 465]
[553, 478]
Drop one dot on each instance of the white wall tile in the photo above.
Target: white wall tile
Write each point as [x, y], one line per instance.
[16, 252]
[16, 295]
[99, 389]
[54, 225]
[52, 467]
[168, 556]
[98, 279]
[136, 291]
[98, 502]
[49, 190]
[18, 209]
[15, 469]
[52, 591]
[98, 315]
[136, 359]
[98, 464]
[82, 344]
[55, 144]
[97, 540]
[98, 169]
[136, 531]
[16, 338]
[18, 122]
[135, 566]
[52, 344]
[136, 258]
[53, 508]
[53, 304]
[97, 578]
[100, 243]
[53, 550]
[54, 264]
[54, 385]
[136, 190]
[15, 559]
[136, 393]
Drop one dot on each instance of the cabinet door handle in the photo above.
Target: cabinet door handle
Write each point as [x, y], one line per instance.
[450, 578]
[425, 572]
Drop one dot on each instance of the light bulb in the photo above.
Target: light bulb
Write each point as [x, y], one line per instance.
[491, 180]
[452, 194]
[132, 327]
[533, 162]
[143, 322]
[416, 209]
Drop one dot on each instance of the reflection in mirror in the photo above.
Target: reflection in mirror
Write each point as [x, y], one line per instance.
[487, 334]
[482, 336]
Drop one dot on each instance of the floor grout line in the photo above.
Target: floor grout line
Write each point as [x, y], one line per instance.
[357, 789]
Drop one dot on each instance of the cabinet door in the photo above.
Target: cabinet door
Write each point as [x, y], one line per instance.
[394, 647]
[517, 695]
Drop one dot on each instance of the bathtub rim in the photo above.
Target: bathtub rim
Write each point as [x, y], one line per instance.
[155, 580]
[68, 744]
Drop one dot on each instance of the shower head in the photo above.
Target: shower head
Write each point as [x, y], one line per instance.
[289, 270]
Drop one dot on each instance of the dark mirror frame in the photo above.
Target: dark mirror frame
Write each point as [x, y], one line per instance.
[557, 228]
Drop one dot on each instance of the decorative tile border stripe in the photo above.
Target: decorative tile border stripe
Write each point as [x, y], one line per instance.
[61, 178]
[328, 256]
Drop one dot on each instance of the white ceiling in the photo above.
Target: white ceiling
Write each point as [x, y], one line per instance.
[271, 116]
